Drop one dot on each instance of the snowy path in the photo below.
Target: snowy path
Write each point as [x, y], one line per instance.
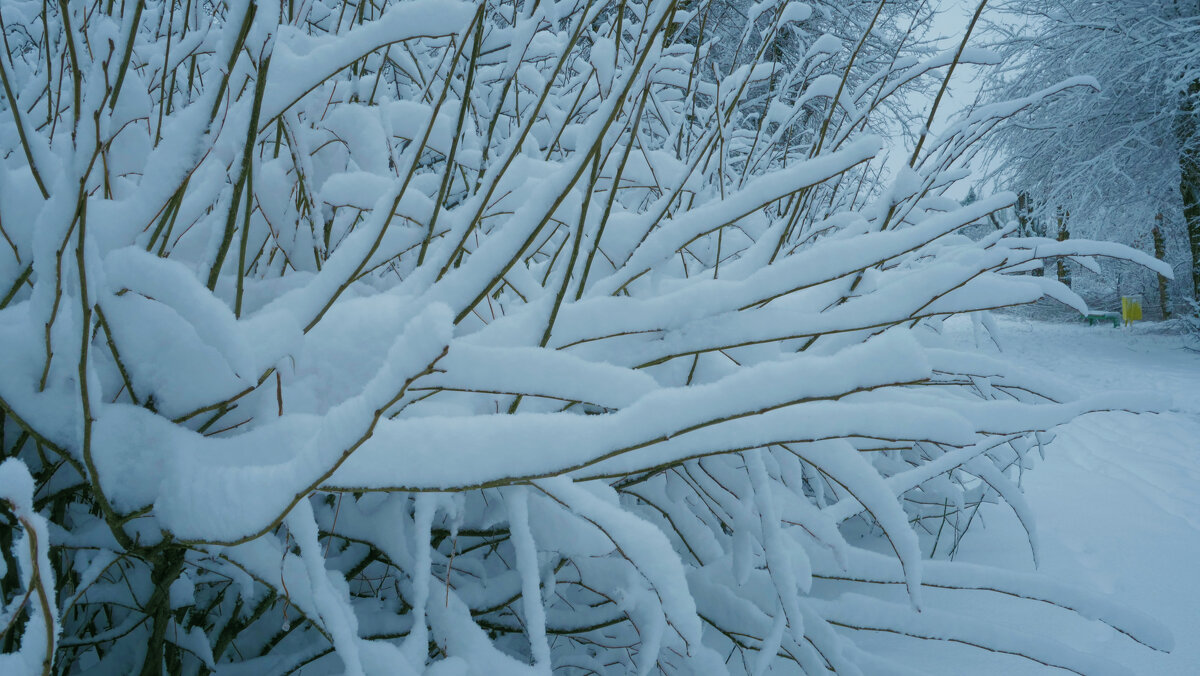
[1117, 501]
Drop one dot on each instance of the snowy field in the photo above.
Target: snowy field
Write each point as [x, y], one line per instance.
[1117, 503]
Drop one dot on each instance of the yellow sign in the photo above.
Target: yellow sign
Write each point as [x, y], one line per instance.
[1131, 309]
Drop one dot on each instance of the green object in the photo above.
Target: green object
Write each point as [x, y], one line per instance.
[1094, 317]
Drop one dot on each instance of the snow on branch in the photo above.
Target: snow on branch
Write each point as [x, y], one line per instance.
[497, 337]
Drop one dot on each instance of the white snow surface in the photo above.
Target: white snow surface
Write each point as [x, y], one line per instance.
[1117, 504]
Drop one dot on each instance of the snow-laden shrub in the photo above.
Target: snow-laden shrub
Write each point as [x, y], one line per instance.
[1190, 323]
[493, 338]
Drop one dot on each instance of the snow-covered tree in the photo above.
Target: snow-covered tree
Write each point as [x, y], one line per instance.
[494, 338]
[1119, 155]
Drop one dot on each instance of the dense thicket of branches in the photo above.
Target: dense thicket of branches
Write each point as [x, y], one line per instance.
[497, 338]
[1115, 157]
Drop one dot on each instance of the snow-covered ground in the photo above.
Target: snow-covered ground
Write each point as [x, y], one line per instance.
[1117, 501]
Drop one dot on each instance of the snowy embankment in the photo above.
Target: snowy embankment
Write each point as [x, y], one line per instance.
[1117, 501]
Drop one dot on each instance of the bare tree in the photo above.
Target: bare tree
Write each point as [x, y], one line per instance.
[1124, 152]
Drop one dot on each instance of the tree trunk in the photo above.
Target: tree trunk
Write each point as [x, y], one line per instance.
[1160, 252]
[1026, 225]
[1189, 178]
[1064, 275]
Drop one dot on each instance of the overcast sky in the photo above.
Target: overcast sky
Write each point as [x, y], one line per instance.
[951, 21]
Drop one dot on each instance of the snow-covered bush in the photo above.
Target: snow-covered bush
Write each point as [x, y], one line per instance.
[493, 338]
